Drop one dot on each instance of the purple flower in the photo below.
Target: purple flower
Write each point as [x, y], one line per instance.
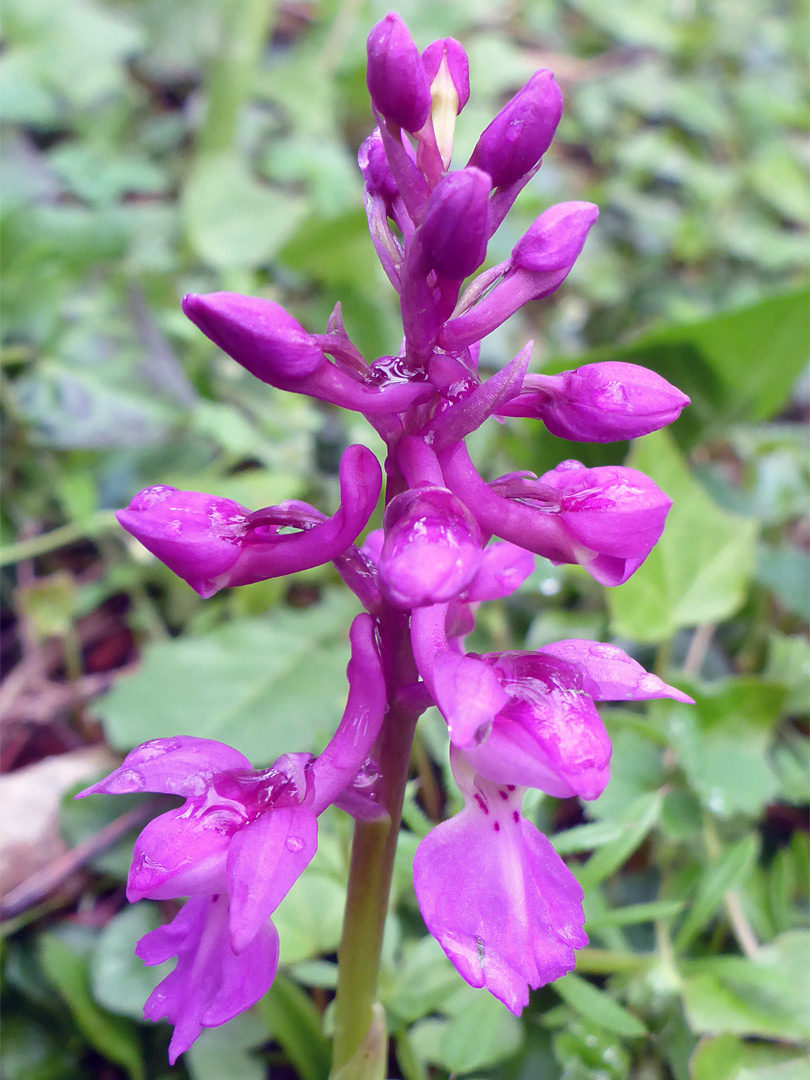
[520, 134]
[606, 519]
[212, 542]
[432, 547]
[395, 75]
[529, 718]
[496, 896]
[599, 402]
[236, 847]
[211, 983]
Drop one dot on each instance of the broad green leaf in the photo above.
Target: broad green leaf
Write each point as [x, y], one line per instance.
[420, 981]
[598, 1006]
[233, 221]
[635, 768]
[722, 745]
[699, 570]
[310, 917]
[716, 1059]
[296, 1025]
[766, 996]
[266, 687]
[111, 1035]
[722, 874]
[119, 980]
[480, 1033]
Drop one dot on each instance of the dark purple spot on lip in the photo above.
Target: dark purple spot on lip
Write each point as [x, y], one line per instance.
[516, 816]
[510, 787]
[481, 802]
[503, 795]
[496, 827]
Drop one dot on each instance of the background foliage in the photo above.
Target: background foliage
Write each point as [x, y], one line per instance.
[152, 149]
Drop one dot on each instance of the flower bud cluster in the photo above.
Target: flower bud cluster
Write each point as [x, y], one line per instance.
[491, 889]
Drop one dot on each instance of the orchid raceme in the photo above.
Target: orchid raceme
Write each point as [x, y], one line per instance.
[500, 901]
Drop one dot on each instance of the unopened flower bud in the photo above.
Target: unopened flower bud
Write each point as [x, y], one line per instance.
[521, 132]
[452, 53]
[258, 334]
[455, 230]
[599, 402]
[395, 75]
[432, 548]
[554, 240]
[540, 262]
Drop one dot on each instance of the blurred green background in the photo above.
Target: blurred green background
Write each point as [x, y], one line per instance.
[153, 148]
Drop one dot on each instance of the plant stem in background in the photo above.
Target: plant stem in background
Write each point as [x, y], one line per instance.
[245, 28]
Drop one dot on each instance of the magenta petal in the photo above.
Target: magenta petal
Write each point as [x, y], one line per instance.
[468, 694]
[498, 898]
[610, 674]
[196, 535]
[265, 860]
[182, 765]
[504, 569]
[180, 854]
[210, 983]
[432, 548]
[347, 750]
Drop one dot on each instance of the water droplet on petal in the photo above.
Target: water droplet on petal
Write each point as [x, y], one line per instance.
[295, 843]
[130, 780]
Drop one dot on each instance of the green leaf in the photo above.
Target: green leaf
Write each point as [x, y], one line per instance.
[716, 1059]
[119, 980]
[111, 1035]
[233, 221]
[598, 1007]
[722, 744]
[421, 980]
[645, 813]
[722, 874]
[226, 1050]
[766, 996]
[296, 1025]
[699, 570]
[265, 687]
[633, 914]
[481, 1033]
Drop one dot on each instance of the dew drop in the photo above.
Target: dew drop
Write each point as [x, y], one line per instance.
[130, 780]
[295, 843]
[716, 801]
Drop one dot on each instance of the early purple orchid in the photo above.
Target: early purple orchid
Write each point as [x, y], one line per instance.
[491, 889]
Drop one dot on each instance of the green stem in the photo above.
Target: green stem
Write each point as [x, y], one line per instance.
[246, 26]
[56, 538]
[373, 849]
